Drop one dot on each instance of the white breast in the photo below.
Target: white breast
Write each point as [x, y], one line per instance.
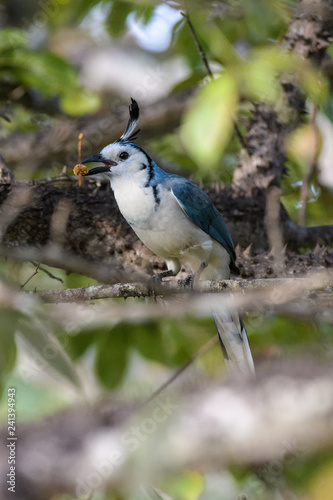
[136, 203]
[165, 229]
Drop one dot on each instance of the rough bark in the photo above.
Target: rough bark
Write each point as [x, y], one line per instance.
[262, 162]
[57, 146]
[311, 29]
[93, 227]
[86, 223]
[289, 288]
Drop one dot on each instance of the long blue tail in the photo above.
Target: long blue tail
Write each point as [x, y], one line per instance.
[234, 342]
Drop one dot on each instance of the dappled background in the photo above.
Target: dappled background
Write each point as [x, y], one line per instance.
[236, 95]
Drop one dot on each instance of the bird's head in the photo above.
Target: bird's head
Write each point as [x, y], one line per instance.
[122, 157]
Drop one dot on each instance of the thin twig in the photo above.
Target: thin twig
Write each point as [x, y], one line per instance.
[209, 71]
[205, 348]
[48, 273]
[30, 277]
[197, 42]
[240, 137]
[55, 256]
[80, 157]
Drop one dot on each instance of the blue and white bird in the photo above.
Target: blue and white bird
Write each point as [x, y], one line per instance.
[175, 219]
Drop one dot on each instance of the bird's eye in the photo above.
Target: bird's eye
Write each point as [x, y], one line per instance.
[124, 155]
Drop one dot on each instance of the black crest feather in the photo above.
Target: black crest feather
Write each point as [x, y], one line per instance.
[130, 132]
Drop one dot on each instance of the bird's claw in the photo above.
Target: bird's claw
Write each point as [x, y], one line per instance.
[187, 283]
[153, 283]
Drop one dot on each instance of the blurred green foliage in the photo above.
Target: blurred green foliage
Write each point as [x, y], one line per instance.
[8, 349]
[42, 71]
[44, 360]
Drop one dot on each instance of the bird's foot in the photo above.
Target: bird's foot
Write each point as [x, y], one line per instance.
[155, 281]
[187, 283]
[192, 279]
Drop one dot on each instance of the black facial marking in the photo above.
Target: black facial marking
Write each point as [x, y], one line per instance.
[151, 173]
[156, 195]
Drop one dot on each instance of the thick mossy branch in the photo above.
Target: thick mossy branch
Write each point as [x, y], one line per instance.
[86, 223]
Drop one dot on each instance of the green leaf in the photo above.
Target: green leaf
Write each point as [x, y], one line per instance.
[259, 78]
[78, 343]
[328, 108]
[37, 332]
[183, 39]
[189, 82]
[50, 75]
[11, 39]
[208, 124]
[80, 102]
[112, 354]
[322, 485]
[171, 148]
[144, 12]
[8, 319]
[165, 341]
[148, 341]
[47, 72]
[177, 345]
[116, 20]
[76, 11]
[186, 486]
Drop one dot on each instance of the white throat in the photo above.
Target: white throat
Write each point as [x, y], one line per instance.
[134, 197]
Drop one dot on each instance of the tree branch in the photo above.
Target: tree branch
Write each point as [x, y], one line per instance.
[309, 34]
[96, 238]
[125, 290]
[58, 145]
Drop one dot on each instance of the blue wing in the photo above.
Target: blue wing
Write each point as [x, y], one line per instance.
[198, 207]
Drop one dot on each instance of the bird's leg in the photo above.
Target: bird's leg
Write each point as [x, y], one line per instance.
[156, 279]
[192, 279]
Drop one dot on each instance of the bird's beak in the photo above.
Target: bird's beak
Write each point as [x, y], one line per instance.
[98, 159]
[98, 170]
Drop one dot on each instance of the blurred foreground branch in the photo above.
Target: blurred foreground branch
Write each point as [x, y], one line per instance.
[289, 415]
[59, 143]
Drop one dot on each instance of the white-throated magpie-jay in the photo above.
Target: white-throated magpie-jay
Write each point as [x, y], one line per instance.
[175, 219]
